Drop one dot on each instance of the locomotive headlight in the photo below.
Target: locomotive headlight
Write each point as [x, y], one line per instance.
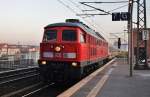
[43, 62]
[74, 64]
[57, 48]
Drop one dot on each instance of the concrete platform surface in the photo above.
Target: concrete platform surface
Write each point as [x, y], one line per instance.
[116, 82]
[120, 84]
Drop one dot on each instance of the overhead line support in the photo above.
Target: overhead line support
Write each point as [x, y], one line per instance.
[107, 2]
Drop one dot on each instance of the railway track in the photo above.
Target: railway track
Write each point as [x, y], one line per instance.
[27, 84]
[14, 80]
[52, 89]
[39, 90]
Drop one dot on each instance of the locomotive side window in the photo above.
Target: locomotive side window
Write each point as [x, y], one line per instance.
[50, 35]
[82, 38]
[69, 35]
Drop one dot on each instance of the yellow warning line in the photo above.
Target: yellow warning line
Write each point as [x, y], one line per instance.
[99, 85]
[97, 88]
[80, 84]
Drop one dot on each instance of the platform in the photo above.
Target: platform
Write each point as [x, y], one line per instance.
[115, 82]
[119, 83]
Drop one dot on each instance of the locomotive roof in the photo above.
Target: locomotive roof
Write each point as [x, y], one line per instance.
[80, 25]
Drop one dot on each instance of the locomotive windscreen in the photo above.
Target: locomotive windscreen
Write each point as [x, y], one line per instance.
[69, 35]
[50, 35]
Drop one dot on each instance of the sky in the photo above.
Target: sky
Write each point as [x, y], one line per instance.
[22, 21]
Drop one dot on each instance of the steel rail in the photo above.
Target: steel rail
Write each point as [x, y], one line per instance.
[9, 81]
[37, 90]
[7, 76]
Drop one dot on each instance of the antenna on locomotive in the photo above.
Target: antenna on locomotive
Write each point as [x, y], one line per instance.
[73, 20]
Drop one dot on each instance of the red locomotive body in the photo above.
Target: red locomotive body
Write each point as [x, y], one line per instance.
[68, 50]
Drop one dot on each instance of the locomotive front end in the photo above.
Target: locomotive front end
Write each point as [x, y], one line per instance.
[59, 54]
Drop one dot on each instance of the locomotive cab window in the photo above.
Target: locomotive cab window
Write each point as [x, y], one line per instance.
[69, 35]
[50, 35]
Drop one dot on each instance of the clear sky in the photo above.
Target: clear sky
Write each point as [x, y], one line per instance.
[23, 20]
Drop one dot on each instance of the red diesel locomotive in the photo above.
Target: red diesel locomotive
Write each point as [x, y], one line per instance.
[69, 50]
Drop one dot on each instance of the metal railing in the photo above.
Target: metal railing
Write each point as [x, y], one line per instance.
[23, 63]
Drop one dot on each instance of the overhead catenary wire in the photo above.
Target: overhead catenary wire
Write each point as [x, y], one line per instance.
[95, 25]
[67, 6]
[92, 23]
[118, 8]
[96, 8]
[78, 7]
[98, 27]
[72, 10]
[107, 2]
[101, 10]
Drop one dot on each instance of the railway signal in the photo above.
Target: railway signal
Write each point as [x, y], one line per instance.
[119, 43]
